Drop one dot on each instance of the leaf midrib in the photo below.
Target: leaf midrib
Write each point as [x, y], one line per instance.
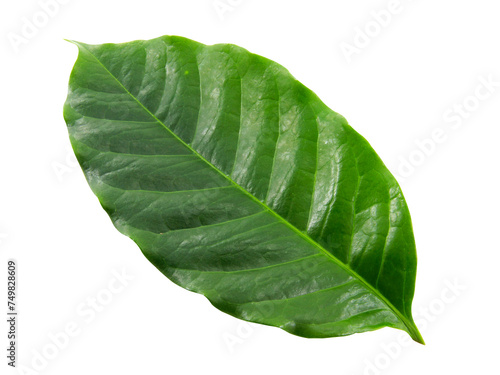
[413, 331]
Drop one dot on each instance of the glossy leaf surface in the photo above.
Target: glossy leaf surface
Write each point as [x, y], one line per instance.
[238, 183]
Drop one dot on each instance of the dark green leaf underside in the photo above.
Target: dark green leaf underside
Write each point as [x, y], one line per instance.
[238, 183]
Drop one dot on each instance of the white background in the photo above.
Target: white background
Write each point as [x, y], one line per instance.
[423, 63]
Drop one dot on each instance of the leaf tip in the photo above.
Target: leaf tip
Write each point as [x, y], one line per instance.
[417, 337]
[78, 44]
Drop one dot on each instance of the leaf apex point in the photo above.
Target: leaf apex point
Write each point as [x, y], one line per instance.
[418, 338]
[76, 43]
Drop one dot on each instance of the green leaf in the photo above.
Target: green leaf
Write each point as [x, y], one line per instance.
[238, 183]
